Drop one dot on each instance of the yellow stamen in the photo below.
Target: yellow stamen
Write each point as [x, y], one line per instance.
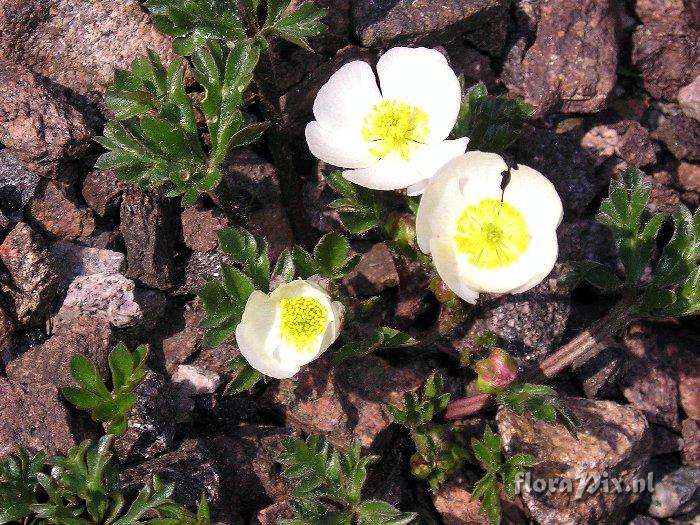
[303, 320]
[395, 127]
[492, 233]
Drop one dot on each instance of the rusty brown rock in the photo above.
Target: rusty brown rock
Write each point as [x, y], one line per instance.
[689, 176]
[33, 417]
[681, 135]
[50, 362]
[6, 329]
[665, 10]
[102, 191]
[667, 53]
[182, 334]
[456, 506]
[344, 402]
[690, 431]
[270, 515]
[40, 127]
[247, 459]
[572, 64]
[34, 282]
[149, 229]
[375, 272]
[73, 42]
[56, 215]
[423, 22]
[199, 227]
[611, 438]
[689, 98]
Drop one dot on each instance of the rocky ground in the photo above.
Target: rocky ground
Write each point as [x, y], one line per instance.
[87, 261]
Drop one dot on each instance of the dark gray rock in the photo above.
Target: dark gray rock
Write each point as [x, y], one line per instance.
[102, 191]
[677, 493]
[598, 376]
[77, 259]
[17, 186]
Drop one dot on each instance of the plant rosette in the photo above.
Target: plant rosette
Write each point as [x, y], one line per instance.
[394, 138]
[486, 239]
[282, 331]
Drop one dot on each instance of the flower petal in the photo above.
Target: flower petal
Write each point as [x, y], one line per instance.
[337, 148]
[544, 264]
[347, 98]
[535, 197]
[390, 173]
[464, 180]
[256, 339]
[447, 267]
[430, 158]
[422, 77]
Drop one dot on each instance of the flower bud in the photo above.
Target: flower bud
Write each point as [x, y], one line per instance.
[495, 372]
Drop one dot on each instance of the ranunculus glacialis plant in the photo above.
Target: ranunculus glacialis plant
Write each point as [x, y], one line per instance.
[485, 239]
[282, 331]
[390, 136]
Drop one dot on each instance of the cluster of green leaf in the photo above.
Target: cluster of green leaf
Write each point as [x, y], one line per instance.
[82, 488]
[329, 487]
[491, 123]
[194, 22]
[674, 286]
[127, 369]
[440, 449]
[224, 299]
[154, 139]
[383, 338]
[360, 209]
[540, 401]
[488, 454]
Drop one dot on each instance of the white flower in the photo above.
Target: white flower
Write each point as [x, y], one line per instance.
[281, 332]
[395, 138]
[483, 239]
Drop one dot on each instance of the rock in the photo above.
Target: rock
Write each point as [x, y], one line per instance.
[102, 191]
[72, 42]
[664, 10]
[382, 25]
[49, 362]
[664, 441]
[39, 127]
[183, 335]
[664, 198]
[586, 240]
[270, 515]
[194, 380]
[246, 458]
[21, 342]
[676, 493]
[375, 272]
[689, 390]
[690, 430]
[681, 135]
[17, 186]
[641, 519]
[77, 259]
[572, 64]
[475, 66]
[34, 283]
[198, 268]
[456, 506]
[112, 298]
[530, 324]
[598, 376]
[667, 53]
[689, 176]
[663, 357]
[273, 225]
[563, 162]
[6, 329]
[343, 402]
[612, 438]
[627, 139]
[152, 421]
[149, 232]
[33, 417]
[689, 98]
[56, 215]
[192, 469]
[199, 227]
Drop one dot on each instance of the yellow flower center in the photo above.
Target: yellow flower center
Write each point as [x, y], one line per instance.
[395, 127]
[303, 319]
[492, 233]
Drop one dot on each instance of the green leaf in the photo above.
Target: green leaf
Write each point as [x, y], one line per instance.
[680, 256]
[193, 22]
[331, 256]
[491, 123]
[246, 376]
[597, 274]
[85, 373]
[304, 263]
[284, 268]
[296, 26]
[383, 338]
[250, 251]
[18, 484]
[121, 365]
[421, 409]
[361, 209]
[375, 512]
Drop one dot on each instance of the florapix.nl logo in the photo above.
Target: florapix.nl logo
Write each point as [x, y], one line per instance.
[586, 484]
